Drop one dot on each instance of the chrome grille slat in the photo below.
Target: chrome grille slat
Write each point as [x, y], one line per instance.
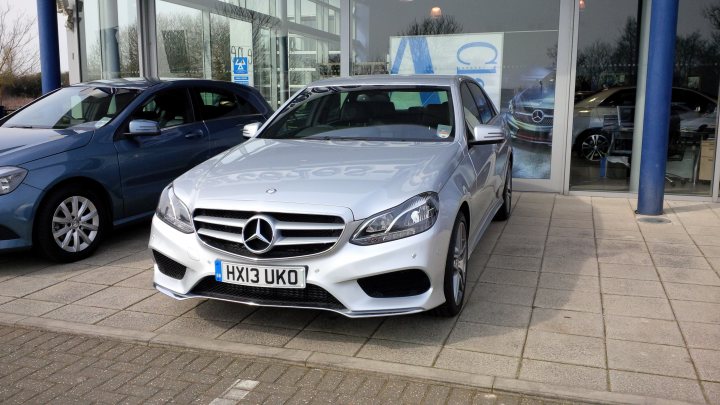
[307, 226]
[237, 223]
[237, 238]
[304, 241]
[296, 234]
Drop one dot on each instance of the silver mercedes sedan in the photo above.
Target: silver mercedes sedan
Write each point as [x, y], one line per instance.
[362, 195]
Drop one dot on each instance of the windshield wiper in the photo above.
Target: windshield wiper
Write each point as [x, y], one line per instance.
[22, 126]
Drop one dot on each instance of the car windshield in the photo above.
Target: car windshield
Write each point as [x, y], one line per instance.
[372, 113]
[74, 107]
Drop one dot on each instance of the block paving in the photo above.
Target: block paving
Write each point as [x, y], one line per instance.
[41, 367]
[571, 291]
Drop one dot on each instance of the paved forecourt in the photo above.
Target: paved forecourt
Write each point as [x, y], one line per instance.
[573, 296]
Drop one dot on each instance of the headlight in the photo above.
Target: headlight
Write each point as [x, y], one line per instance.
[10, 178]
[412, 217]
[173, 212]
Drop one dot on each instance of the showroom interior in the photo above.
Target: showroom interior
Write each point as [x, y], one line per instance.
[568, 76]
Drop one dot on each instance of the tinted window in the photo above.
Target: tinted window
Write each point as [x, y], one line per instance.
[484, 108]
[692, 101]
[168, 108]
[222, 104]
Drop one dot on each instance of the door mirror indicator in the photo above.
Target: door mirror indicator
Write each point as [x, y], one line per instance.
[251, 130]
[487, 134]
[143, 127]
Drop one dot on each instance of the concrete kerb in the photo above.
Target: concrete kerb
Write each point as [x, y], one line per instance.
[325, 360]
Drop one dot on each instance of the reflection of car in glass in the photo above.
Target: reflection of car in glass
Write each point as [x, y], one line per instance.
[86, 157]
[530, 113]
[362, 195]
[591, 141]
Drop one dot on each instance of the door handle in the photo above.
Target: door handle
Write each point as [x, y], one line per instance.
[198, 133]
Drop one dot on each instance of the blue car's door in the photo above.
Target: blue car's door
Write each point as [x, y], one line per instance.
[224, 113]
[148, 163]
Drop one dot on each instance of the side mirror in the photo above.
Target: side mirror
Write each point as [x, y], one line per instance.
[487, 134]
[143, 127]
[251, 130]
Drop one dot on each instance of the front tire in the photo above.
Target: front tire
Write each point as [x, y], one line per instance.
[70, 224]
[455, 280]
[504, 212]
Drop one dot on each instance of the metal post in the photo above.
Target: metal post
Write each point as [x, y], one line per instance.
[656, 122]
[110, 49]
[49, 45]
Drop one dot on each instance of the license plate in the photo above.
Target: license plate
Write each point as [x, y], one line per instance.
[260, 275]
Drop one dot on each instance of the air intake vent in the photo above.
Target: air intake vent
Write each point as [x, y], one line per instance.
[168, 266]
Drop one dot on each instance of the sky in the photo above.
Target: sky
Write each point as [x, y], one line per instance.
[28, 8]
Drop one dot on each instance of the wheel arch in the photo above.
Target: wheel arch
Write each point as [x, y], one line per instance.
[82, 181]
[583, 134]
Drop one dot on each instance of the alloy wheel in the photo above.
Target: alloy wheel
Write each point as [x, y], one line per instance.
[594, 147]
[459, 263]
[75, 224]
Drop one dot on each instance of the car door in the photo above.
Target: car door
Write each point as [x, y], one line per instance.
[500, 151]
[148, 163]
[481, 157]
[224, 113]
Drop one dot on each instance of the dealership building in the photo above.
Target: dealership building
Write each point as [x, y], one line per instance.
[570, 77]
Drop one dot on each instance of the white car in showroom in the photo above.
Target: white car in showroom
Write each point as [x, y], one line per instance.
[362, 195]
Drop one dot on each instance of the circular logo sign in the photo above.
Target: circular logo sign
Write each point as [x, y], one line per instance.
[259, 234]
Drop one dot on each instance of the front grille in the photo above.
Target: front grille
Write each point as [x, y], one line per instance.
[526, 117]
[168, 266]
[311, 296]
[297, 234]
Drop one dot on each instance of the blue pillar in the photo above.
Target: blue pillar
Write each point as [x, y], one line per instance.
[656, 122]
[49, 45]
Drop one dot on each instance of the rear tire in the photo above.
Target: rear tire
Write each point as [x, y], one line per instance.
[455, 280]
[70, 224]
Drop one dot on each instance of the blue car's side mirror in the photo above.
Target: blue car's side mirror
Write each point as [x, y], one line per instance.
[143, 127]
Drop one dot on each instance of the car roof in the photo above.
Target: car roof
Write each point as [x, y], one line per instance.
[142, 83]
[390, 80]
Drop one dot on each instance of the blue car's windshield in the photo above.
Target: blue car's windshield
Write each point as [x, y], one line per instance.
[373, 113]
[73, 108]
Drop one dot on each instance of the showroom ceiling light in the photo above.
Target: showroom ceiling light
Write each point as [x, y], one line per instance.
[435, 12]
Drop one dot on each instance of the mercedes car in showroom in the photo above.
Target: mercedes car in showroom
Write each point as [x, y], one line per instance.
[363, 196]
[85, 158]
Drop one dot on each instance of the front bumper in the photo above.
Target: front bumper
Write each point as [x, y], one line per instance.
[541, 134]
[335, 271]
[17, 210]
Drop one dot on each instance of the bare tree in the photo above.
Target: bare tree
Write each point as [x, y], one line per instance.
[594, 62]
[16, 32]
[433, 26]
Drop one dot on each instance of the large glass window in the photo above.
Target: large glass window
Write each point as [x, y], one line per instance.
[509, 47]
[179, 41]
[605, 91]
[109, 39]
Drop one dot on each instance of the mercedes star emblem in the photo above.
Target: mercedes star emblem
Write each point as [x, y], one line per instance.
[259, 234]
[271, 191]
[537, 116]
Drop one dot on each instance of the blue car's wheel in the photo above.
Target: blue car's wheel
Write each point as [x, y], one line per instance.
[70, 224]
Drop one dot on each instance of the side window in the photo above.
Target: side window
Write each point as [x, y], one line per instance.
[223, 104]
[485, 109]
[470, 110]
[620, 98]
[690, 100]
[168, 108]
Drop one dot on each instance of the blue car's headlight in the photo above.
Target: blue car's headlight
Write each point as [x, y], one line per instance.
[173, 212]
[412, 217]
[10, 178]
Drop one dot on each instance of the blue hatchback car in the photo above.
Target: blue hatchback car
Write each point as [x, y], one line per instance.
[91, 156]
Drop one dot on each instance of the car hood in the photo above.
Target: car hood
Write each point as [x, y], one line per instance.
[365, 177]
[21, 145]
[535, 98]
